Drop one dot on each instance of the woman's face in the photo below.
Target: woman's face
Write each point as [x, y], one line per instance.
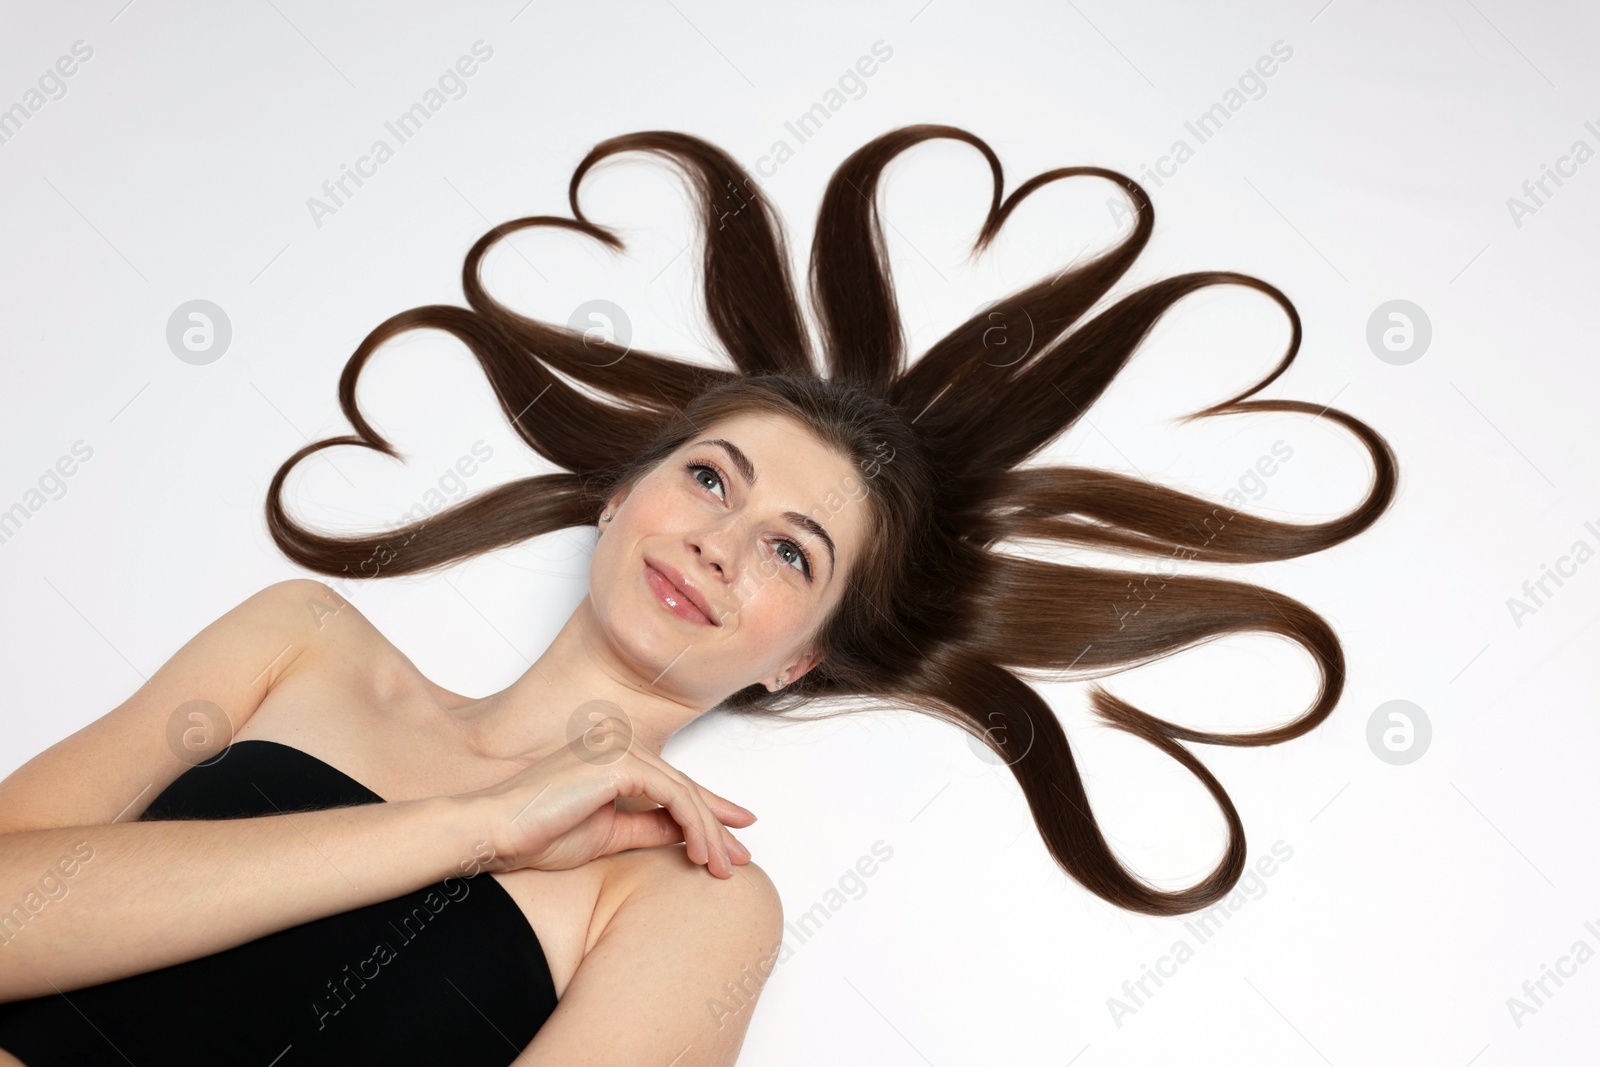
[766, 579]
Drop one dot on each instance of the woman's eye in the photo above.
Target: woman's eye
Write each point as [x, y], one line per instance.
[697, 469]
[799, 557]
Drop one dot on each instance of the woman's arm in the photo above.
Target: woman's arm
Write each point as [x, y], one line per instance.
[149, 895]
[88, 895]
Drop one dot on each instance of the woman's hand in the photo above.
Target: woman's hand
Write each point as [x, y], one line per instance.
[560, 812]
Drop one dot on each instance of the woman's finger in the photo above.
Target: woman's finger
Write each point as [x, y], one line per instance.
[644, 829]
[679, 802]
[726, 810]
[710, 844]
[719, 806]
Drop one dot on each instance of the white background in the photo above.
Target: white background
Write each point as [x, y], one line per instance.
[1378, 162]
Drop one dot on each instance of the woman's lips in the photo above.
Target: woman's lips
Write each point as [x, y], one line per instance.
[673, 600]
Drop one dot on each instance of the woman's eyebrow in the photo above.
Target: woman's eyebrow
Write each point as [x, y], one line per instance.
[748, 471]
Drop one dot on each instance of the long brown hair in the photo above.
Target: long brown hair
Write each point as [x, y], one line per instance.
[936, 618]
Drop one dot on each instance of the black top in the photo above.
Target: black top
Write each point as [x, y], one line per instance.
[449, 974]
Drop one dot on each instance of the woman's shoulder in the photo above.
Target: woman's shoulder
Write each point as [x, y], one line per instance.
[571, 911]
[665, 877]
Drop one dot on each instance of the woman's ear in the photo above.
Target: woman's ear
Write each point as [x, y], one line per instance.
[795, 671]
[610, 512]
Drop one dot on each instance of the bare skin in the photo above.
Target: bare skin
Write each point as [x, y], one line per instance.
[348, 697]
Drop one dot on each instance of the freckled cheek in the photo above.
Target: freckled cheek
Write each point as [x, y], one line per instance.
[769, 614]
[760, 640]
[657, 508]
[765, 590]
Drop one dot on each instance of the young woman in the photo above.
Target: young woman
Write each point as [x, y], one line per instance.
[276, 846]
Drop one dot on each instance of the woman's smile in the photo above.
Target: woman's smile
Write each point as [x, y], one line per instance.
[673, 599]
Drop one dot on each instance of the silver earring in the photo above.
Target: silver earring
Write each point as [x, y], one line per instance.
[783, 680]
